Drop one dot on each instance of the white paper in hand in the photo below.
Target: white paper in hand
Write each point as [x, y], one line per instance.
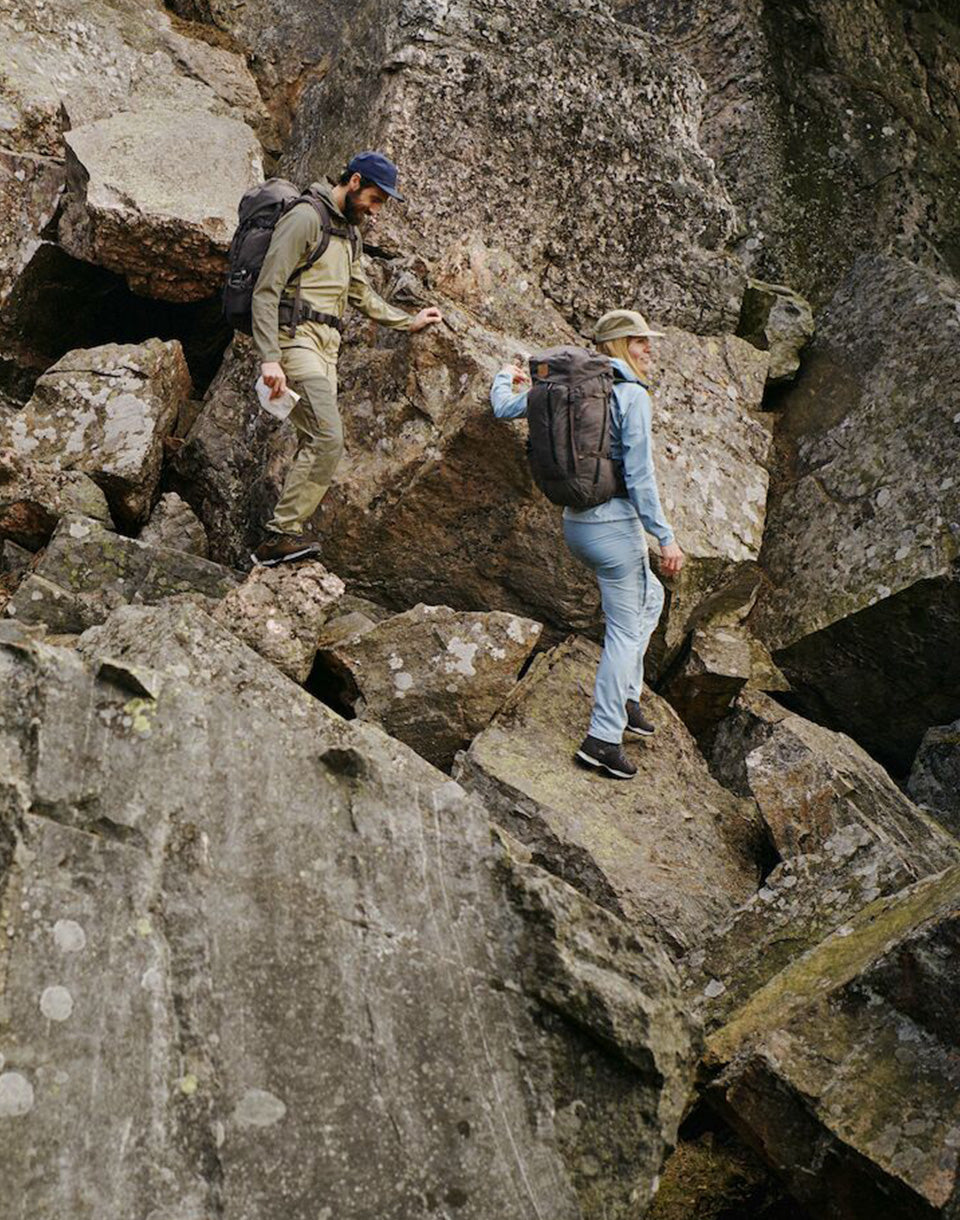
[280, 406]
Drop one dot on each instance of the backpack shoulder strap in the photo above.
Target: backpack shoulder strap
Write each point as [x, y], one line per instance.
[324, 213]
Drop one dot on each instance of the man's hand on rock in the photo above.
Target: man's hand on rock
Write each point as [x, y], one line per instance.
[426, 317]
[671, 559]
[274, 377]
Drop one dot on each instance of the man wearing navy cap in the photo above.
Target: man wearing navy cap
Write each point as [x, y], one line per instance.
[296, 331]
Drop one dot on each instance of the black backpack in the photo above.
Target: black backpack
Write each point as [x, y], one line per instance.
[568, 411]
[260, 209]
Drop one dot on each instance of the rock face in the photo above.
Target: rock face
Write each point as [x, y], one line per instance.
[87, 571]
[132, 880]
[672, 852]
[432, 677]
[173, 523]
[779, 321]
[33, 498]
[30, 190]
[153, 195]
[843, 834]
[847, 1060]
[935, 775]
[279, 612]
[593, 125]
[106, 411]
[862, 540]
[835, 130]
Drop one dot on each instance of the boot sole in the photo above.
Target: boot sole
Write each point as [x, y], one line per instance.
[272, 563]
[605, 767]
[640, 732]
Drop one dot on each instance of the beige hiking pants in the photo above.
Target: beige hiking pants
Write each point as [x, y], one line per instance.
[310, 363]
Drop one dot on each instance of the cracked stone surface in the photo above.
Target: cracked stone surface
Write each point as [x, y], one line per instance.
[30, 190]
[173, 523]
[34, 496]
[224, 907]
[106, 411]
[432, 677]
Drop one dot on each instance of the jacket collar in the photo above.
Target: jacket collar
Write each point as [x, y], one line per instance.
[325, 191]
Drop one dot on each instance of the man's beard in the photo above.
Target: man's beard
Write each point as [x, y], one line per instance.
[350, 210]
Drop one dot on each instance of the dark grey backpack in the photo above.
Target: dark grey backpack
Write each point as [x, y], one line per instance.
[568, 411]
[260, 209]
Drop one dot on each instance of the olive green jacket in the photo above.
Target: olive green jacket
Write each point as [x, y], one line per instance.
[334, 279]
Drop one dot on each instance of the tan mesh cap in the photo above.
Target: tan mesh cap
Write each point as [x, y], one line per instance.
[623, 324]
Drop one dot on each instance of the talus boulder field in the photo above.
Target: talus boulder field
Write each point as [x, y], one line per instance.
[211, 896]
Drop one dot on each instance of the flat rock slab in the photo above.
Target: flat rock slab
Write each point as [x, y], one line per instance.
[200, 837]
[34, 496]
[671, 851]
[153, 196]
[87, 571]
[848, 1058]
[105, 411]
[433, 677]
[280, 612]
[861, 540]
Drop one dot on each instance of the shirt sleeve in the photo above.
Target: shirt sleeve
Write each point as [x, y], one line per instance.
[641, 480]
[294, 240]
[361, 296]
[506, 404]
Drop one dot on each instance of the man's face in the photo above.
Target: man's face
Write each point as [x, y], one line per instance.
[362, 203]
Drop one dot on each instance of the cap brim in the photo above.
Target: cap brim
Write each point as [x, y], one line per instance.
[394, 194]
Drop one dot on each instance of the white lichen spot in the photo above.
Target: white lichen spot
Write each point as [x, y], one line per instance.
[462, 657]
[258, 1108]
[714, 988]
[152, 980]
[144, 927]
[56, 1004]
[402, 681]
[68, 936]
[395, 662]
[515, 630]
[189, 1084]
[274, 627]
[16, 1095]
[845, 930]
[78, 529]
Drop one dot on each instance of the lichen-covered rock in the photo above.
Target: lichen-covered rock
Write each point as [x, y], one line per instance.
[834, 127]
[672, 851]
[862, 610]
[33, 498]
[777, 320]
[279, 612]
[717, 663]
[30, 190]
[86, 59]
[197, 837]
[433, 677]
[153, 195]
[848, 1058]
[843, 832]
[106, 411]
[173, 523]
[934, 779]
[87, 571]
[589, 128]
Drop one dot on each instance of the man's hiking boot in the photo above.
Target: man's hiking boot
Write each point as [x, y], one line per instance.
[637, 722]
[606, 757]
[284, 548]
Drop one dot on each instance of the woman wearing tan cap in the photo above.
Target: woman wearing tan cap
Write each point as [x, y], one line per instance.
[610, 539]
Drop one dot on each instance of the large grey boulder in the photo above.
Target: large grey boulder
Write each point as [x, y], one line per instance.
[846, 1061]
[432, 677]
[672, 851]
[30, 190]
[934, 779]
[153, 195]
[87, 571]
[840, 832]
[34, 496]
[240, 922]
[611, 200]
[173, 523]
[106, 411]
[862, 608]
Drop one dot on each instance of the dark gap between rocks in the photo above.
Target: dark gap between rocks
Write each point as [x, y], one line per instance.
[332, 686]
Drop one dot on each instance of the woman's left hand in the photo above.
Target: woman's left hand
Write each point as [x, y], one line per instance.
[671, 559]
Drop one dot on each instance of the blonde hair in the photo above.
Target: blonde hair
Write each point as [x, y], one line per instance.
[619, 350]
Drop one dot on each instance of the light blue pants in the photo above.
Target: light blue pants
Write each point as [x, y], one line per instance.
[632, 599]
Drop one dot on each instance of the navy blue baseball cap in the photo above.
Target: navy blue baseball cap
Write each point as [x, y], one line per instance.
[376, 168]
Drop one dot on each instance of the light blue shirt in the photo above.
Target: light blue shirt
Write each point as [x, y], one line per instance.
[631, 443]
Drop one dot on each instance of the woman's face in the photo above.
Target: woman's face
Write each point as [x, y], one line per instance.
[639, 349]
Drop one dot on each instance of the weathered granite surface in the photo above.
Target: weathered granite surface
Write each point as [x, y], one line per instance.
[862, 540]
[30, 190]
[777, 320]
[214, 951]
[934, 779]
[34, 496]
[671, 851]
[106, 411]
[87, 571]
[173, 523]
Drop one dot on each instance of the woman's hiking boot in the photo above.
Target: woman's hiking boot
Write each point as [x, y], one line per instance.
[637, 722]
[284, 548]
[607, 757]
